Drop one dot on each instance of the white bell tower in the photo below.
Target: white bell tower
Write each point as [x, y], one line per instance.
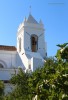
[31, 43]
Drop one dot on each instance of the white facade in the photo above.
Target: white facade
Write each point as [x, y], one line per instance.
[31, 49]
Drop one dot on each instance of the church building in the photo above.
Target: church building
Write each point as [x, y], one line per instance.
[30, 52]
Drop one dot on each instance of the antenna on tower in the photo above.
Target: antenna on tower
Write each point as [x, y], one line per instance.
[30, 9]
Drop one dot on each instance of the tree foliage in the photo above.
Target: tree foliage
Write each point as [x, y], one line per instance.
[62, 53]
[47, 83]
[21, 90]
[1, 90]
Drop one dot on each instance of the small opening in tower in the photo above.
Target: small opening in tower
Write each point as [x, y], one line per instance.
[20, 45]
[34, 43]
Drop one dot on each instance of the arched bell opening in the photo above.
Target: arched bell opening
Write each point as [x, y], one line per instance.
[34, 43]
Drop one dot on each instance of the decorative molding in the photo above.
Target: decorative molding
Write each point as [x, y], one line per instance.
[28, 33]
[40, 35]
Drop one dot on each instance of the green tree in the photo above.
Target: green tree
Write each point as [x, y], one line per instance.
[62, 53]
[21, 91]
[1, 90]
[49, 82]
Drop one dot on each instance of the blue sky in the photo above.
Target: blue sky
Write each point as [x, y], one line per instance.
[54, 14]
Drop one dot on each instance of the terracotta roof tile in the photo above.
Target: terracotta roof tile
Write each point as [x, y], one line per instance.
[8, 48]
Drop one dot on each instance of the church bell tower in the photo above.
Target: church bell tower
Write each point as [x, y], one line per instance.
[31, 44]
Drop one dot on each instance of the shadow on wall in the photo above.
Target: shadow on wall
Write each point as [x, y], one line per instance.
[19, 62]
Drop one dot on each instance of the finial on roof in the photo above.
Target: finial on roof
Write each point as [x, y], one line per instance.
[40, 22]
[30, 10]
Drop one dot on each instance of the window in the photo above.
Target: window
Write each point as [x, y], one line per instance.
[34, 43]
[29, 67]
[1, 66]
[20, 45]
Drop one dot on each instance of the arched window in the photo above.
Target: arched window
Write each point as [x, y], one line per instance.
[20, 45]
[34, 43]
[1, 66]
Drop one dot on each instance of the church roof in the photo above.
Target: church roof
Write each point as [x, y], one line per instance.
[31, 19]
[8, 48]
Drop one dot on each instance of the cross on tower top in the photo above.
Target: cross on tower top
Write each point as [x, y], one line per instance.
[30, 9]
